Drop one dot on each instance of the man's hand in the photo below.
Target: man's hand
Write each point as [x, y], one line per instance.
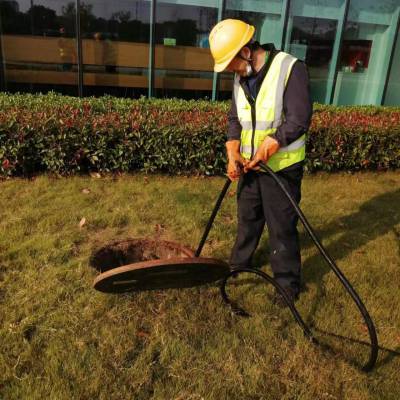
[268, 147]
[236, 163]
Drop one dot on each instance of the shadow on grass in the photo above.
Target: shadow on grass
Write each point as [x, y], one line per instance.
[375, 218]
[390, 354]
[336, 347]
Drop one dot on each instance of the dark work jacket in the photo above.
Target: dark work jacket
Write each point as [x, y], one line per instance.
[297, 105]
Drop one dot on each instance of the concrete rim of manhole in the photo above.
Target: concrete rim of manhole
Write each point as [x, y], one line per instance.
[147, 264]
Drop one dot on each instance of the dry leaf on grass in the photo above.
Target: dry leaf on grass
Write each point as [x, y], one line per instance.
[86, 191]
[142, 334]
[159, 228]
[95, 175]
[82, 222]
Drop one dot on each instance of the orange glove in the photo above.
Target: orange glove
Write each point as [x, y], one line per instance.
[268, 147]
[236, 162]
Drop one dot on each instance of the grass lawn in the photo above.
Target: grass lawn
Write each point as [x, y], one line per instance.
[61, 339]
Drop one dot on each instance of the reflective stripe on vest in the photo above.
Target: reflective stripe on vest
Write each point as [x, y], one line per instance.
[296, 145]
[269, 114]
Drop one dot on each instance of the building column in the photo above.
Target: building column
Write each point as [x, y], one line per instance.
[3, 82]
[215, 87]
[393, 34]
[337, 49]
[79, 47]
[151, 49]
[285, 19]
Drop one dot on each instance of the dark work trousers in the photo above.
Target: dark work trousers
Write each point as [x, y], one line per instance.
[261, 201]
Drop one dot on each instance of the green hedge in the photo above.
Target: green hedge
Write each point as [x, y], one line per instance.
[67, 135]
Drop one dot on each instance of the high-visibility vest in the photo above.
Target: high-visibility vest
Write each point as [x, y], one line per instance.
[265, 115]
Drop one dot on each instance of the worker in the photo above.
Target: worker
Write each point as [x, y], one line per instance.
[269, 117]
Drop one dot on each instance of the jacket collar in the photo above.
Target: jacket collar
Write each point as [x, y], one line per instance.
[263, 71]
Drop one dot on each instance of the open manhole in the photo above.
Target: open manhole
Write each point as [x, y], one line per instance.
[145, 264]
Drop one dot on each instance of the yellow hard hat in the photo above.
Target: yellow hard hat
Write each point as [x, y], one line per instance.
[226, 39]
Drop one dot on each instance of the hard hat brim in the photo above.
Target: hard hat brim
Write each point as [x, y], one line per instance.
[219, 67]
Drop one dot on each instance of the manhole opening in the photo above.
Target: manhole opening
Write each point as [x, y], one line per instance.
[132, 251]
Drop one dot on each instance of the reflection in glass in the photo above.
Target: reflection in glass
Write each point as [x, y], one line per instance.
[366, 48]
[266, 17]
[312, 29]
[115, 48]
[183, 62]
[39, 47]
[355, 55]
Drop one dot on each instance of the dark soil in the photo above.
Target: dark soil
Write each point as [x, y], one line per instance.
[131, 251]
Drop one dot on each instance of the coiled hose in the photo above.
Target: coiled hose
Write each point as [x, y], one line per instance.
[356, 298]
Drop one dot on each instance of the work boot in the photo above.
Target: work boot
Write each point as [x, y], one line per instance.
[279, 301]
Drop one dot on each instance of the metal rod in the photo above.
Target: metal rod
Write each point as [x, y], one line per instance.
[213, 214]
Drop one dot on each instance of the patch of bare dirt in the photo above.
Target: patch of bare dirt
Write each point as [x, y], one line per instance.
[131, 251]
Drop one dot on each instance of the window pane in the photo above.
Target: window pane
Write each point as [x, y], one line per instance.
[183, 62]
[312, 29]
[365, 49]
[115, 37]
[393, 89]
[266, 17]
[39, 46]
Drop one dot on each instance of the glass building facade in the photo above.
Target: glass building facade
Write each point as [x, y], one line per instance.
[159, 48]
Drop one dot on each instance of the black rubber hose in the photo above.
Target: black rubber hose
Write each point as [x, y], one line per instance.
[371, 328]
[368, 321]
[234, 307]
[237, 310]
